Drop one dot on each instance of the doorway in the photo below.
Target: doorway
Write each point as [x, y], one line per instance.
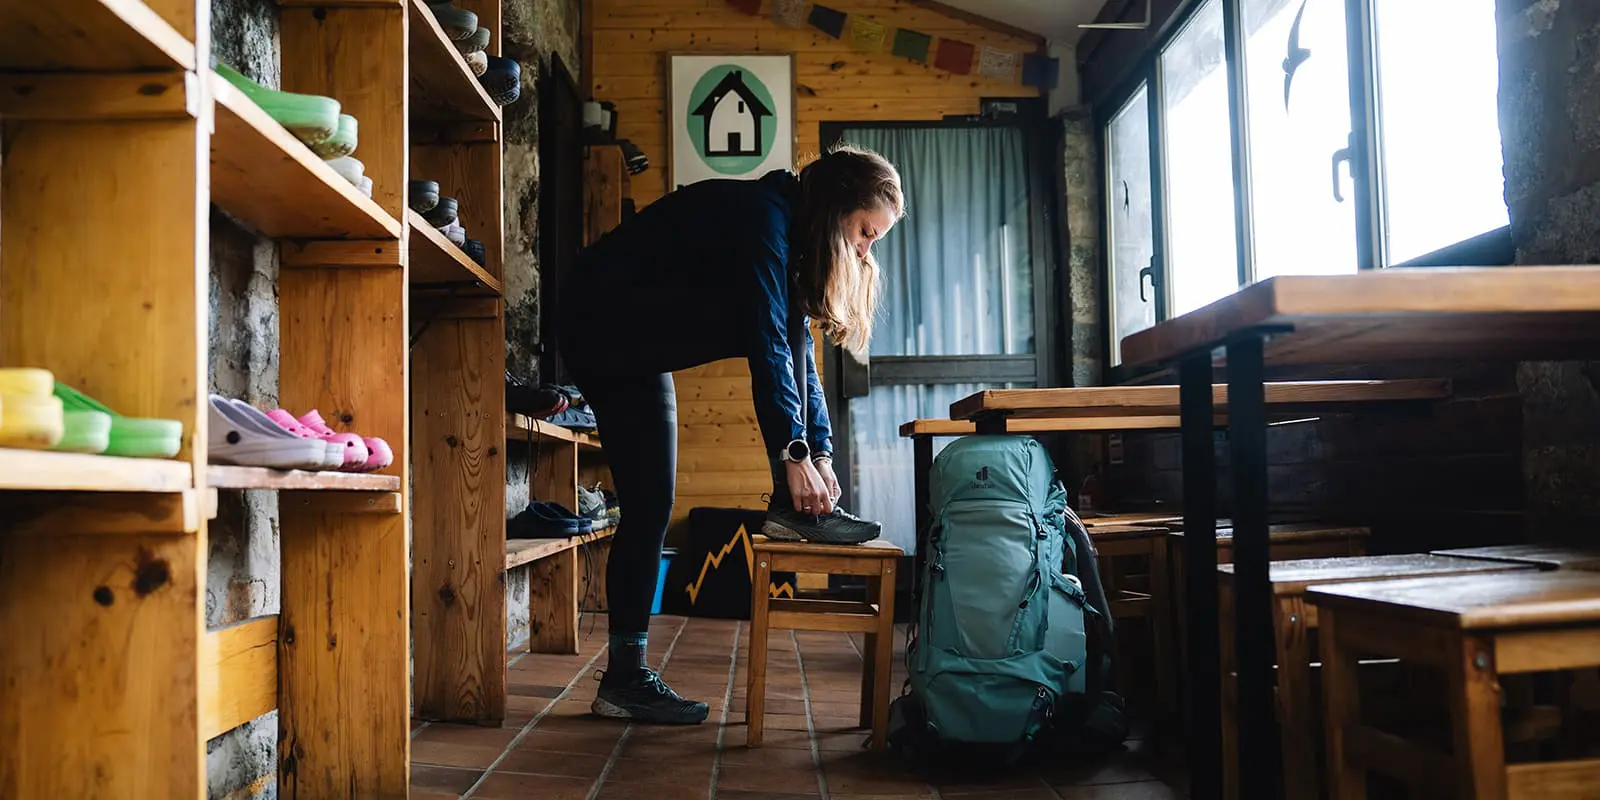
[966, 302]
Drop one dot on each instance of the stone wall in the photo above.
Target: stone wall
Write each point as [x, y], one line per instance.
[1550, 131]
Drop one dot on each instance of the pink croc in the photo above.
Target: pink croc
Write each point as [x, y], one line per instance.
[380, 454]
[335, 455]
[355, 453]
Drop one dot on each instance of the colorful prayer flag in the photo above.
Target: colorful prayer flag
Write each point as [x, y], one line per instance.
[789, 13]
[1041, 72]
[954, 56]
[827, 20]
[866, 34]
[997, 64]
[912, 45]
[751, 7]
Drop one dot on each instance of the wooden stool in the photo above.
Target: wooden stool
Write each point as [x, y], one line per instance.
[874, 560]
[1285, 542]
[1293, 622]
[1144, 541]
[1475, 629]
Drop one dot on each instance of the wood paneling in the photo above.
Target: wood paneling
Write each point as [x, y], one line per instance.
[630, 40]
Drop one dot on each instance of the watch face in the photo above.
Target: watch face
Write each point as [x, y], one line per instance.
[798, 450]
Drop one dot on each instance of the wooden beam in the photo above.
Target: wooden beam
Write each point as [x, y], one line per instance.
[121, 96]
[340, 253]
[238, 674]
[347, 502]
[1037, 40]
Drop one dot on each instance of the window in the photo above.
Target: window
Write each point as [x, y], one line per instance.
[1202, 248]
[1303, 215]
[1438, 84]
[1428, 167]
[1130, 221]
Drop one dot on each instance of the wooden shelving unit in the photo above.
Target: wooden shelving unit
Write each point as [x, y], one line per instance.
[458, 383]
[118, 138]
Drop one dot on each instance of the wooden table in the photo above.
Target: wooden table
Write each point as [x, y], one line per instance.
[1513, 314]
[1476, 629]
[1293, 621]
[1543, 556]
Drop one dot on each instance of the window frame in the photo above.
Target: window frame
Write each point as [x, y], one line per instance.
[1491, 248]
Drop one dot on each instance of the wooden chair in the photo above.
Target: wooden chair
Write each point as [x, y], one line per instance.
[876, 561]
[1476, 630]
[1144, 542]
[1294, 623]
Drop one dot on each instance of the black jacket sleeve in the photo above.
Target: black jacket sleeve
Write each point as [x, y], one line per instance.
[772, 380]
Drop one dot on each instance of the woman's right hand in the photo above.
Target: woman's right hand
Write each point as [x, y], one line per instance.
[810, 494]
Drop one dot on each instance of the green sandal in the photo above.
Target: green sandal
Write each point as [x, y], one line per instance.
[125, 436]
[313, 119]
[341, 144]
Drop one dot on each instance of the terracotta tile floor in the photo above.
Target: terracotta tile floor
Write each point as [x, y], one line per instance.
[552, 749]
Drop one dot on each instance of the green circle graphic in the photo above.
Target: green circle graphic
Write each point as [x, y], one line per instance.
[696, 124]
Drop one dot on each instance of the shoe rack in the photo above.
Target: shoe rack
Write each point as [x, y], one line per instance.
[117, 139]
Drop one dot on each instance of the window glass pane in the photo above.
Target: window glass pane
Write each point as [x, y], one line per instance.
[1129, 219]
[1438, 84]
[1202, 253]
[1297, 123]
[958, 269]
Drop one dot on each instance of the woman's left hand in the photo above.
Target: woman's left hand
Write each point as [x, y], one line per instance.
[825, 469]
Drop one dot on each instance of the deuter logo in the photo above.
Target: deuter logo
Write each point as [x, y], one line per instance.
[982, 479]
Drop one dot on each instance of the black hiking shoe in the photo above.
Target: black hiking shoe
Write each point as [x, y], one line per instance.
[643, 697]
[838, 527]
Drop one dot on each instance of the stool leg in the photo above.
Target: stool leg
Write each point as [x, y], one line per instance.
[883, 658]
[869, 663]
[1341, 710]
[755, 695]
[1475, 715]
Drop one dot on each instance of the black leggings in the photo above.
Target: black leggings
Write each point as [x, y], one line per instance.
[638, 420]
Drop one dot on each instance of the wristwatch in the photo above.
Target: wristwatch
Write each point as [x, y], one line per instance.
[796, 451]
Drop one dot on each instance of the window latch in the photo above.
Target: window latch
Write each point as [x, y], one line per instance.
[1155, 281]
[1342, 155]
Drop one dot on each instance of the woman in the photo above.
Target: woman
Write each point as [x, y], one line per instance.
[720, 269]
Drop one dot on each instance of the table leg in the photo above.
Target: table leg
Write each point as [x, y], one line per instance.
[1200, 592]
[1247, 424]
[1479, 750]
[1295, 698]
[1341, 709]
[756, 689]
[922, 465]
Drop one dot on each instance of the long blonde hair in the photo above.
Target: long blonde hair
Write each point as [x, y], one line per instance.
[834, 286]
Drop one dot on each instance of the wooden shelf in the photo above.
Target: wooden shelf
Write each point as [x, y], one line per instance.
[443, 87]
[519, 426]
[225, 477]
[435, 260]
[527, 551]
[89, 35]
[38, 470]
[267, 178]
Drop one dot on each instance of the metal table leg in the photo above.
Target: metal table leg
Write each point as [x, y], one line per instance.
[1200, 594]
[922, 464]
[1259, 764]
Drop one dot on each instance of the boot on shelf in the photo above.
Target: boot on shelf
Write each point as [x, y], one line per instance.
[422, 195]
[502, 80]
[458, 23]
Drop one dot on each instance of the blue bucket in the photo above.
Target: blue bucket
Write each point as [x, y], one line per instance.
[667, 554]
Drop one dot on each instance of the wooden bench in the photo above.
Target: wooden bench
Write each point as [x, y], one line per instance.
[1475, 630]
[557, 586]
[1295, 623]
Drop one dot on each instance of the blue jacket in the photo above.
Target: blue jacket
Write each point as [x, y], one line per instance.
[698, 276]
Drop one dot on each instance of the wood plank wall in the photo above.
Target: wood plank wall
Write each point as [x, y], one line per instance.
[721, 462]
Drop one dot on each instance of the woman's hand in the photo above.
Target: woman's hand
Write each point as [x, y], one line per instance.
[811, 495]
[829, 480]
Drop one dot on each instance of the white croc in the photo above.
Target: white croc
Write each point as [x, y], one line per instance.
[237, 439]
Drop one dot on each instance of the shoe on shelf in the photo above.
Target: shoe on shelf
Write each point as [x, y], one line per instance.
[238, 437]
[542, 520]
[502, 80]
[133, 437]
[365, 186]
[592, 505]
[458, 23]
[362, 453]
[349, 168]
[311, 118]
[633, 157]
[443, 215]
[785, 524]
[474, 250]
[455, 233]
[641, 696]
[477, 62]
[476, 43]
[541, 402]
[342, 143]
[422, 195]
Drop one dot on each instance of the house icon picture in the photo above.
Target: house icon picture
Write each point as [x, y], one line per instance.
[732, 115]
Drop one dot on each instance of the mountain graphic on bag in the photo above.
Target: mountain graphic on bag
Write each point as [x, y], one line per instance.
[1008, 646]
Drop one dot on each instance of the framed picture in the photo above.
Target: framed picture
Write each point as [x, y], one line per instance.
[729, 116]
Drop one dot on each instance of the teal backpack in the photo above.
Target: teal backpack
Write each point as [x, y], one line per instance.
[1008, 652]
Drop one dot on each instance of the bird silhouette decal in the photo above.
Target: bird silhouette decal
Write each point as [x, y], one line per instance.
[1297, 55]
